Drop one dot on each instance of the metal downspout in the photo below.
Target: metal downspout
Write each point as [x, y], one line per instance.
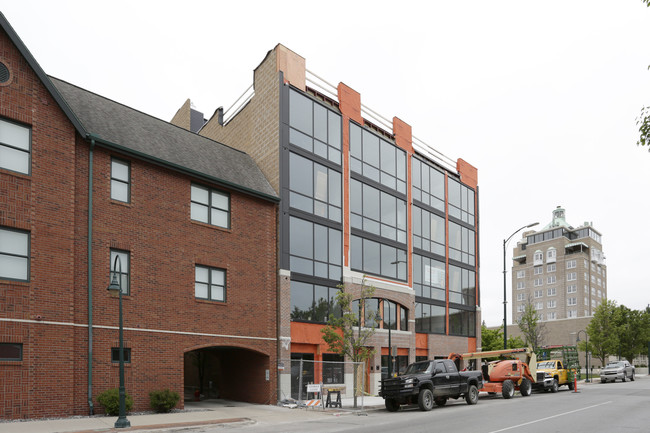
[91, 407]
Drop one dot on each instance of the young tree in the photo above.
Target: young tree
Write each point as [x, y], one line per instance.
[491, 339]
[530, 325]
[602, 331]
[346, 335]
[632, 332]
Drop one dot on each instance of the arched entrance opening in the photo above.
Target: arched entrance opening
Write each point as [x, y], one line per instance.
[226, 372]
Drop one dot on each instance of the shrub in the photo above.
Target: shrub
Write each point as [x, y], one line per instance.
[110, 401]
[163, 401]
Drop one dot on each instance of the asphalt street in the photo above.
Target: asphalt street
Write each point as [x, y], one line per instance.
[611, 408]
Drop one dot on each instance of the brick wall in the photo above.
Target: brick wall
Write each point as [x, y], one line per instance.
[162, 318]
[28, 387]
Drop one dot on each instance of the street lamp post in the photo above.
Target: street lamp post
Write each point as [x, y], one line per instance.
[116, 284]
[505, 301]
[586, 350]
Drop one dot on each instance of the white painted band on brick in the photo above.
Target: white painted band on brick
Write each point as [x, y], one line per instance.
[159, 331]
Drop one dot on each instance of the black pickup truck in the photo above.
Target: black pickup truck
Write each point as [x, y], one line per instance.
[429, 382]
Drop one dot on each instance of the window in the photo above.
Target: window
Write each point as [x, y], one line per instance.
[210, 206]
[593, 279]
[586, 288]
[313, 303]
[377, 159]
[521, 274]
[539, 293]
[585, 277]
[11, 352]
[520, 308]
[538, 258]
[15, 147]
[593, 291]
[593, 303]
[550, 268]
[314, 128]
[377, 258]
[428, 185]
[551, 255]
[382, 214]
[572, 313]
[571, 264]
[586, 313]
[461, 201]
[428, 278]
[121, 269]
[571, 276]
[573, 288]
[521, 296]
[600, 282]
[14, 254]
[572, 301]
[586, 302]
[551, 304]
[314, 188]
[430, 319]
[599, 270]
[315, 249]
[120, 180]
[551, 292]
[586, 263]
[550, 279]
[332, 368]
[462, 286]
[428, 231]
[539, 305]
[552, 315]
[538, 270]
[462, 322]
[115, 354]
[603, 273]
[538, 282]
[210, 283]
[600, 294]
[593, 267]
[461, 244]
[520, 285]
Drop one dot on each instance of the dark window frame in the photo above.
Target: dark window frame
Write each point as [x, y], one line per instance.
[356, 259]
[19, 346]
[115, 355]
[122, 273]
[19, 149]
[27, 257]
[358, 164]
[365, 218]
[210, 283]
[334, 209]
[334, 268]
[308, 140]
[209, 205]
[309, 315]
[419, 190]
[115, 160]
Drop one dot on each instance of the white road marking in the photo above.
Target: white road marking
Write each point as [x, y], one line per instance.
[550, 417]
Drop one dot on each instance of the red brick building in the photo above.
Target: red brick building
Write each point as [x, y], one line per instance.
[83, 180]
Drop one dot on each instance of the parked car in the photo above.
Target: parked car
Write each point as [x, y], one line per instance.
[617, 370]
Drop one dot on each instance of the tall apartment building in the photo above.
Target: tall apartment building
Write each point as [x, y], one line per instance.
[359, 196]
[560, 269]
[85, 180]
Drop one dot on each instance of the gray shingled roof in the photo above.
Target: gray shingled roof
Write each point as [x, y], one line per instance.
[163, 142]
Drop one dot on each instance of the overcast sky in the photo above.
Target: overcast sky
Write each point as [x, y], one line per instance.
[541, 97]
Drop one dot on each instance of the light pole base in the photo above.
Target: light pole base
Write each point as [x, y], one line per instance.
[122, 422]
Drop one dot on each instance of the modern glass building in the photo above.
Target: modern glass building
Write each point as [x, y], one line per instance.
[360, 197]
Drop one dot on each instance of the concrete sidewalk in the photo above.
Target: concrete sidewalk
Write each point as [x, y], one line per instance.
[209, 412]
